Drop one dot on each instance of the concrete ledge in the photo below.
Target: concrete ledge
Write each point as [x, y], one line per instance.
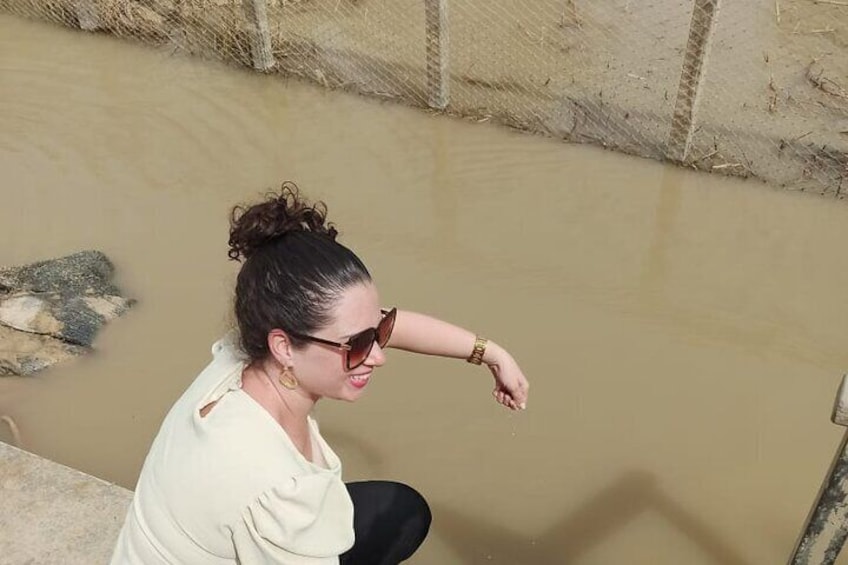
[52, 514]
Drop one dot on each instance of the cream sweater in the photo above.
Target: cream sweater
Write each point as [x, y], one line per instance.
[231, 487]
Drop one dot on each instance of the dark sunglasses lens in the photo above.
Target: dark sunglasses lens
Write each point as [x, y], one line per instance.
[385, 327]
[360, 347]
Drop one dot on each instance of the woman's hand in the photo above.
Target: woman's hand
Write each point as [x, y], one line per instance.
[511, 386]
[420, 333]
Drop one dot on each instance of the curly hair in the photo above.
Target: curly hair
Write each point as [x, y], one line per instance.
[293, 269]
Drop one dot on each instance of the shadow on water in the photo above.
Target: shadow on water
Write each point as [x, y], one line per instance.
[479, 540]
[349, 445]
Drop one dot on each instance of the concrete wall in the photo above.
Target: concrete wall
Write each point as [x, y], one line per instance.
[52, 514]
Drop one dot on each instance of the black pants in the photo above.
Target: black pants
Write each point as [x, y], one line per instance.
[390, 521]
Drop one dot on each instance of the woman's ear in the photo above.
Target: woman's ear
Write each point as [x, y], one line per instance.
[280, 347]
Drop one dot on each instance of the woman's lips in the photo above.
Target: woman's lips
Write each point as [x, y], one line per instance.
[359, 381]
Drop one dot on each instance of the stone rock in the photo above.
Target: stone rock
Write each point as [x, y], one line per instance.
[52, 310]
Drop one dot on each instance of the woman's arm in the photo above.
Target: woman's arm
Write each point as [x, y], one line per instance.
[420, 333]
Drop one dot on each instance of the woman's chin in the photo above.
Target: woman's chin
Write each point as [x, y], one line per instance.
[354, 389]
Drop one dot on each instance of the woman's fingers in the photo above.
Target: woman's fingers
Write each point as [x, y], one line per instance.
[505, 398]
[517, 397]
[511, 386]
[510, 381]
[521, 392]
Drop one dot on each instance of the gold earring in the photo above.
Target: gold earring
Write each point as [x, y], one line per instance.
[287, 379]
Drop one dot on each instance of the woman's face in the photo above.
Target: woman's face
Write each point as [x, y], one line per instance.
[320, 369]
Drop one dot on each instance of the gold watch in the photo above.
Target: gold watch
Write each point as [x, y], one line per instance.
[476, 356]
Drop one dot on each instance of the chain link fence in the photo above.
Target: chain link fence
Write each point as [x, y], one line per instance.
[753, 88]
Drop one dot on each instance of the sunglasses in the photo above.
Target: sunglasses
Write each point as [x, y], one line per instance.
[358, 347]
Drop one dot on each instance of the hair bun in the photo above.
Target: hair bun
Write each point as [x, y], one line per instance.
[254, 226]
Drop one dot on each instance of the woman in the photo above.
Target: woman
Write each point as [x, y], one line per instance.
[239, 472]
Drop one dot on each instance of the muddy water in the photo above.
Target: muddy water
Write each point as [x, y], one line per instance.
[685, 335]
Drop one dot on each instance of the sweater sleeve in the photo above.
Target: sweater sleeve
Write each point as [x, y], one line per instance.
[308, 520]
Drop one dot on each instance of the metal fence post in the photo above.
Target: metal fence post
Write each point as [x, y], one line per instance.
[682, 124]
[826, 527]
[256, 12]
[438, 73]
[87, 16]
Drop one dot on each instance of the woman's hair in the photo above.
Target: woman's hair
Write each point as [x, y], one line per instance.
[293, 269]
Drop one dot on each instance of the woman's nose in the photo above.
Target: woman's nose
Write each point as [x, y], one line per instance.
[376, 357]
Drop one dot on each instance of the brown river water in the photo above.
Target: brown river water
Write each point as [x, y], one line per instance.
[684, 334]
